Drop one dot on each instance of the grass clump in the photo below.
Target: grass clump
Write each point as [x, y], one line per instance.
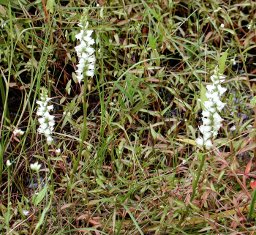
[121, 155]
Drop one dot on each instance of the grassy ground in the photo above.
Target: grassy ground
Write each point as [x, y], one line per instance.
[138, 170]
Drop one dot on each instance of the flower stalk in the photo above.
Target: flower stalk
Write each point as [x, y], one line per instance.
[85, 68]
[45, 119]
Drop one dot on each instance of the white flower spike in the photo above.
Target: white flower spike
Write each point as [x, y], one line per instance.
[18, 132]
[85, 52]
[46, 120]
[211, 118]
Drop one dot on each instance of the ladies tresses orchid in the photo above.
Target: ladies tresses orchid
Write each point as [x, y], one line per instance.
[211, 118]
[85, 53]
[46, 120]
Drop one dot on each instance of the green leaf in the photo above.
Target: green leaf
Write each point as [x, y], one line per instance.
[253, 101]
[203, 97]
[152, 41]
[100, 183]
[50, 5]
[252, 205]
[68, 87]
[153, 133]
[41, 220]
[155, 56]
[3, 2]
[40, 196]
[13, 3]
[133, 219]
[188, 141]
[222, 62]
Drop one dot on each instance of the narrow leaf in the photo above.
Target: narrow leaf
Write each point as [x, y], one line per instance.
[252, 205]
[188, 141]
[41, 220]
[40, 196]
[222, 62]
[50, 5]
[203, 97]
[133, 219]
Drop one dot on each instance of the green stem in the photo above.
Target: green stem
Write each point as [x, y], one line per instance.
[1, 160]
[252, 205]
[8, 216]
[48, 156]
[83, 137]
[195, 182]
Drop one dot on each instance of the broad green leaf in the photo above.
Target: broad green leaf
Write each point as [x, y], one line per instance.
[40, 196]
[252, 205]
[3, 2]
[153, 133]
[155, 57]
[100, 183]
[41, 220]
[50, 5]
[152, 41]
[253, 101]
[222, 62]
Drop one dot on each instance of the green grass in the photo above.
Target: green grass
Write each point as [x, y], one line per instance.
[128, 161]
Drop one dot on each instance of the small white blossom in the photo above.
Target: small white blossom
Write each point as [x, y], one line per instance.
[207, 135]
[206, 113]
[222, 26]
[18, 132]
[2, 23]
[25, 212]
[211, 118]
[205, 129]
[233, 61]
[221, 89]
[46, 120]
[35, 166]
[200, 141]
[8, 163]
[85, 52]
[206, 121]
[208, 144]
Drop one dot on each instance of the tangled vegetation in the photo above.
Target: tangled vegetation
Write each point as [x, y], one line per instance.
[116, 151]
